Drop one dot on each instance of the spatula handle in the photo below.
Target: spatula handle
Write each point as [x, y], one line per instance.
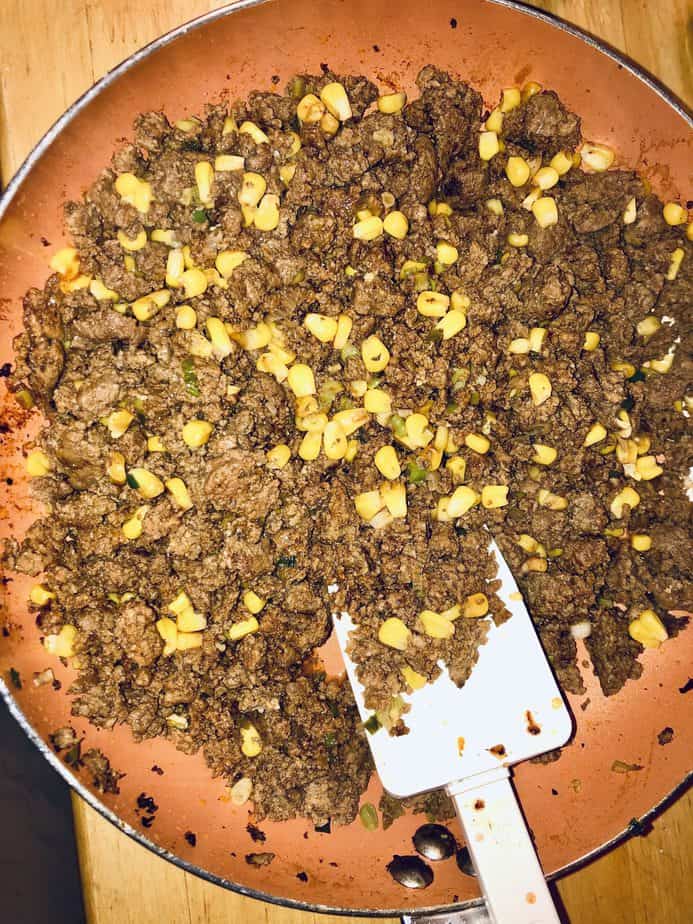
[501, 850]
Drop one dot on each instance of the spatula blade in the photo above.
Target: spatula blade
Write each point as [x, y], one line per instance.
[509, 710]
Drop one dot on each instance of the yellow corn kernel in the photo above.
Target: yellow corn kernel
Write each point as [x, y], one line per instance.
[180, 604]
[225, 163]
[387, 463]
[65, 262]
[241, 791]
[394, 633]
[154, 444]
[551, 501]
[368, 504]
[489, 145]
[133, 191]
[531, 198]
[188, 261]
[394, 495]
[251, 743]
[417, 430]
[641, 542]
[648, 326]
[194, 282]
[631, 212]
[175, 267]
[432, 304]
[306, 405]
[185, 641]
[511, 99]
[627, 369]
[228, 260]
[117, 422]
[642, 443]
[396, 225]
[301, 380]
[517, 171]
[204, 177]
[545, 177]
[242, 628]
[61, 645]
[376, 401]
[311, 423]
[252, 189]
[100, 291]
[648, 629]
[255, 338]
[457, 466]
[676, 261]
[413, 679]
[477, 443]
[628, 496]
[674, 214]
[310, 109]
[537, 335]
[344, 325]
[40, 595]
[528, 543]
[534, 564]
[352, 450]
[595, 434]
[375, 354]
[162, 236]
[309, 449]
[287, 173]
[132, 528]
[452, 323]
[626, 451]
[518, 240]
[540, 388]
[266, 216]
[132, 244]
[591, 341]
[660, 365]
[248, 212]
[328, 124]
[368, 229]
[168, 631]
[37, 463]
[255, 132]
[545, 211]
[196, 433]
[494, 495]
[519, 346]
[186, 318]
[145, 483]
[597, 157]
[179, 492]
[221, 342]
[494, 122]
[352, 419]
[391, 103]
[334, 441]
[321, 326]
[190, 621]
[647, 468]
[335, 98]
[200, 346]
[146, 307]
[561, 162]
[461, 501]
[446, 253]
[475, 606]
[278, 456]
[253, 603]
[435, 625]
[544, 455]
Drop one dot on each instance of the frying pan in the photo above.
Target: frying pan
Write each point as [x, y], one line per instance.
[576, 807]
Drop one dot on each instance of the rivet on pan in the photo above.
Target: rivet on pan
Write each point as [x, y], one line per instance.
[411, 872]
[434, 842]
[464, 862]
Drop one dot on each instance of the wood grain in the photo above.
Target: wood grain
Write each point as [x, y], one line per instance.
[51, 53]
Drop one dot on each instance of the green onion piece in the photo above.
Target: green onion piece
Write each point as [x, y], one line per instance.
[190, 377]
[372, 724]
[368, 815]
[286, 561]
[132, 481]
[397, 425]
[416, 473]
[25, 398]
[330, 740]
[199, 215]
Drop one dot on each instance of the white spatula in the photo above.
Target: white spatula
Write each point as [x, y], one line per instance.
[466, 740]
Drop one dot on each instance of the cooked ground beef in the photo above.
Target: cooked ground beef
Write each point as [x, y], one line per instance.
[236, 676]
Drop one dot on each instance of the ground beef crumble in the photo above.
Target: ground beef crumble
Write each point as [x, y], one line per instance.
[254, 702]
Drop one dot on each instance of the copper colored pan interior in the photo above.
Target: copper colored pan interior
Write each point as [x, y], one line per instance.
[573, 806]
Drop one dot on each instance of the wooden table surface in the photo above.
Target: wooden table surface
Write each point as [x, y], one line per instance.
[49, 54]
